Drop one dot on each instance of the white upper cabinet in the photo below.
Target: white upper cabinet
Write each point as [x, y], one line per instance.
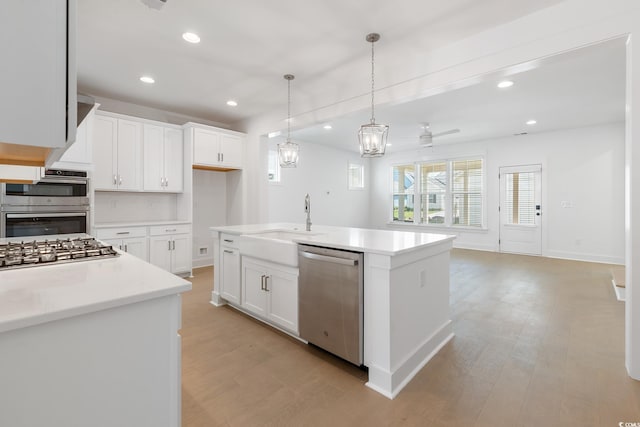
[163, 159]
[37, 76]
[117, 154]
[215, 148]
[79, 156]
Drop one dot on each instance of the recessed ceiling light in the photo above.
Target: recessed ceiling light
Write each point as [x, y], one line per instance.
[147, 79]
[505, 84]
[232, 103]
[274, 134]
[327, 127]
[191, 37]
[389, 144]
[531, 122]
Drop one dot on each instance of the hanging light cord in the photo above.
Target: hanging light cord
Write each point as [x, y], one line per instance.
[288, 110]
[373, 117]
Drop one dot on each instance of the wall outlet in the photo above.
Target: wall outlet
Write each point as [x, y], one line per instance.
[203, 251]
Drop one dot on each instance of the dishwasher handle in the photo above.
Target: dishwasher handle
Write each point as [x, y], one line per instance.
[335, 260]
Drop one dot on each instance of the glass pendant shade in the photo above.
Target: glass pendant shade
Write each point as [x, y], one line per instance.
[373, 139]
[288, 154]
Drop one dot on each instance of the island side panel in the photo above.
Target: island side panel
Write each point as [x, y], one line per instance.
[119, 366]
[406, 312]
[420, 313]
[216, 299]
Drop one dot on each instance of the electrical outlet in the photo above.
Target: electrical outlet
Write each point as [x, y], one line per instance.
[203, 251]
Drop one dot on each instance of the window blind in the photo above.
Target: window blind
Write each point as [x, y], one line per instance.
[466, 194]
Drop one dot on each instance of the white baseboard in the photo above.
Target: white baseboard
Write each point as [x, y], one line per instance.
[202, 262]
[577, 256]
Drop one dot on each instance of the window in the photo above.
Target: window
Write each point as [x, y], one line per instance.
[356, 176]
[450, 193]
[433, 192]
[520, 198]
[466, 192]
[273, 166]
[403, 187]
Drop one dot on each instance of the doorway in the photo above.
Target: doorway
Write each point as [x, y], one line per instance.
[520, 209]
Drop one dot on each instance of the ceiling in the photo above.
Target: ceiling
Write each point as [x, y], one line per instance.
[247, 46]
[580, 88]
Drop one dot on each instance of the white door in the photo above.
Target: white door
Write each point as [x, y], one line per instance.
[254, 295]
[160, 252]
[129, 155]
[173, 160]
[230, 289]
[283, 299]
[520, 209]
[180, 251]
[153, 156]
[105, 153]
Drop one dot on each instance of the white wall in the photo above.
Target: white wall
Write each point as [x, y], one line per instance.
[209, 209]
[321, 172]
[583, 166]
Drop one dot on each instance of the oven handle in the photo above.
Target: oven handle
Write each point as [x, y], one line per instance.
[64, 181]
[45, 215]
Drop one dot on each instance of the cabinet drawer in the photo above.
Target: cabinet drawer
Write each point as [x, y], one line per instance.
[161, 230]
[229, 240]
[121, 233]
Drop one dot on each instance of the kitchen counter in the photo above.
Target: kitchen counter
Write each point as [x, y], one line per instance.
[384, 242]
[137, 224]
[50, 292]
[405, 279]
[91, 342]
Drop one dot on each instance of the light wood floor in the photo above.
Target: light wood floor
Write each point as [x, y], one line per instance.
[539, 342]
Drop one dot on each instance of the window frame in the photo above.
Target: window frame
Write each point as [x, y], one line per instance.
[278, 175]
[360, 166]
[417, 193]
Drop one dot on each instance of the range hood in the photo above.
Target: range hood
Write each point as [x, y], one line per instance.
[85, 104]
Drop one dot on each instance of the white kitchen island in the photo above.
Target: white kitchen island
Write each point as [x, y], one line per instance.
[92, 343]
[406, 288]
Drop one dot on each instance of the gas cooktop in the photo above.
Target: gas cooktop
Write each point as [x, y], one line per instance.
[47, 252]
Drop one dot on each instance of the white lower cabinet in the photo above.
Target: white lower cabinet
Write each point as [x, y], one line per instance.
[132, 240]
[270, 291]
[230, 274]
[170, 247]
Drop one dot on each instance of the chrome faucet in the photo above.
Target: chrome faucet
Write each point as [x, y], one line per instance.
[307, 209]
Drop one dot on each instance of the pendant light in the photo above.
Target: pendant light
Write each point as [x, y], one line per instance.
[288, 151]
[372, 136]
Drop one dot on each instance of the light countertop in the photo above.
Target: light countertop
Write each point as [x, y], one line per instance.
[136, 224]
[35, 295]
[385, 242]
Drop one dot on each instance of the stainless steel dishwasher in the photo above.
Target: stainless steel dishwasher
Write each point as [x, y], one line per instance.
[330, 295]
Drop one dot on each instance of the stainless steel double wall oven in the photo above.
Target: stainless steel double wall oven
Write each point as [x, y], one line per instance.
[57, 204]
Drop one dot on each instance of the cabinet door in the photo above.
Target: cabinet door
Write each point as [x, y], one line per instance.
[153, 155]
[231, 150]
[230, 275]
[136, 246]
[173, 160]
[79, 155]
[283, 299]
[254, 298]
[160, 252]
[105, 132]
[116, 243]
[205, 147]
[180, 253]
[129, 155]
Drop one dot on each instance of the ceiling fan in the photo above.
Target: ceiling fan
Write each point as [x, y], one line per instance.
[426, 138]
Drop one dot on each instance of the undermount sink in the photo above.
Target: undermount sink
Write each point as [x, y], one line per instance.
[275, 245]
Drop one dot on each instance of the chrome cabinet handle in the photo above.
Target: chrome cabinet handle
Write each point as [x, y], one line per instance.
[266, 283]
[161, 182]
[174, 245]
[262, 282]
[119, 180]
[115, 180]
[169, 229]
[166, 182]
[228, 241]
[126, 248]
[222, 157]
[169, 242]
[227, 251]
[123, 232]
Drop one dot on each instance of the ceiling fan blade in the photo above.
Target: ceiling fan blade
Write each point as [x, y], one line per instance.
[447, 132]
